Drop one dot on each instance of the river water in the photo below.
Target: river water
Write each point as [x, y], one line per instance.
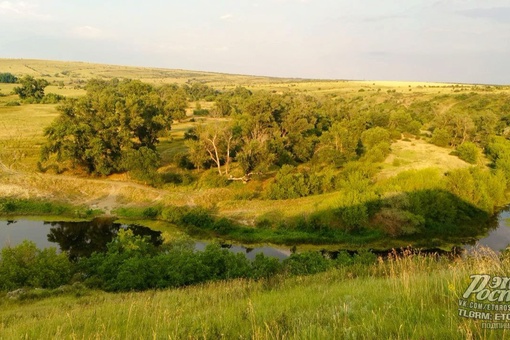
[83, 238]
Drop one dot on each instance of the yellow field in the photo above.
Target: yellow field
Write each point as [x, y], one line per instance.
[71, 73]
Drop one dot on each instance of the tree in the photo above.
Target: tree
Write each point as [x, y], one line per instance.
[31, 88]
[338, 144]
[98, 131]
[175, 101]
[8, 78]
[216, 143]
[468, 152]
[374, 136]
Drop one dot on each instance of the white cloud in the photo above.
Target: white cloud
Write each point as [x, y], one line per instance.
[21, 9]
[226, 16]
[88, 32]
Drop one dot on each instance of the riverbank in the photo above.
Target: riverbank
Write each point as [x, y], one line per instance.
[202, 224]
[408, 297]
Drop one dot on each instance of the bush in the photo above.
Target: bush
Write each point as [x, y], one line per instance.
[468, 152]
[395, 222]
[201, 112]
[441, 137]
[289, 183]
[222, 264]
[211, 179]
[27, 266]
[173, 214]
[8, 78]
[264, 267]
[306, 263]
[52, 98]
[142, 165]
[198, 217]
[151, 212]
[355, 216]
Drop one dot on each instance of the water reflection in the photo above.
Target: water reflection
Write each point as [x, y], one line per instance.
[497, 233]
[81, 239]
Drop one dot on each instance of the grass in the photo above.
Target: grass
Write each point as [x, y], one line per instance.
[23, 207]
[418, 154]
[408, 297]
[21, 134]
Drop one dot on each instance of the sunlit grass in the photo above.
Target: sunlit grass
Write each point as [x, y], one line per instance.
[402, 298]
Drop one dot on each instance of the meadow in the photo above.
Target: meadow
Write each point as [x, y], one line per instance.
[404, 297]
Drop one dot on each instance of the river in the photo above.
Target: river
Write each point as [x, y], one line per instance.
[83, 238]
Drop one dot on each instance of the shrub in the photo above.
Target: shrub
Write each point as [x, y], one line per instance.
[265, 267]
[211, 179]
[468, 152]
[395, 222]
[8, 78]
[306, 263]
[355, 216]
[52, 98]
[289, 183]
[27, 266]
[13, 103]
[142, 165]
[173, 214]
[441, 137]
[198, 217]
[151, 212]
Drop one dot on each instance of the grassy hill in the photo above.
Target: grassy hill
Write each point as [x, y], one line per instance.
[409, 297]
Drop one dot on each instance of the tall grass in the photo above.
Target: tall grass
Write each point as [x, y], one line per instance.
[403, 297]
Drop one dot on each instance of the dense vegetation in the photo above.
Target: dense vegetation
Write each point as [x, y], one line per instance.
[297, 145]
[8, 77]
[115, 127]
[406, 296]
[132, 262]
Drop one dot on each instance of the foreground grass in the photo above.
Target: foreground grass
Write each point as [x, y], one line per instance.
[410, 297]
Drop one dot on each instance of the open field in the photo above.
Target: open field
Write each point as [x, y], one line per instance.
[75, 73]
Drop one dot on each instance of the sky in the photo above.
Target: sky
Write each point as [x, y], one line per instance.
[466, 41]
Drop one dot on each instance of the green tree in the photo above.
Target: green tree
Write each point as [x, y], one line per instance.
[441, 137]
[96, 131]
[142, 164]
[468, 152]
[31, 89]
[175, 101]
[8, 78]
[26, 266]
[375, 136]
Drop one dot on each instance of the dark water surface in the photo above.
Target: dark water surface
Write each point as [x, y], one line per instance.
[83, 238]
[498, 237]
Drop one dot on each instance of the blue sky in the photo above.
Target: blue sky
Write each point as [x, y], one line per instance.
[422, 40]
